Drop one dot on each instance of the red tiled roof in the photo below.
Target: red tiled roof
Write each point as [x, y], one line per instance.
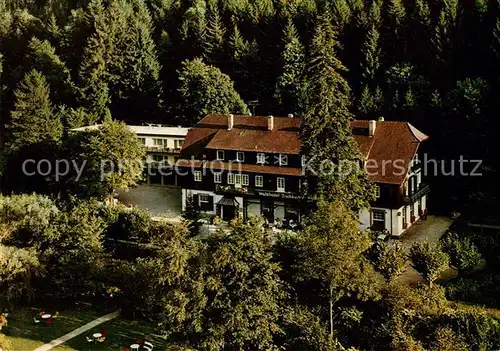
[239, 167]
[390, 150]
[388, 153]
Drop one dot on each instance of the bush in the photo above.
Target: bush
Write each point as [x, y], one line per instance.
[428, 260]
[463, 253]
[131, 225]
[389, 259]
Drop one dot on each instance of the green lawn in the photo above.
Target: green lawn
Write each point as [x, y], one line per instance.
[121, 334]
[24, 335]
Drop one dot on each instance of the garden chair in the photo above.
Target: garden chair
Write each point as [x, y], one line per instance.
[89, 339]
[36, 320]
[148, 346]
[56, 315]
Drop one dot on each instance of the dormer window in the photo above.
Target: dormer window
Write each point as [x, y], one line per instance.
[220, 155]
[261, 158]
[283, 160]
[240, 156]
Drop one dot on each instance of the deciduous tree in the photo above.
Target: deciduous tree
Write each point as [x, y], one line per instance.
[428, 260]
[332, 253]
[205, 89]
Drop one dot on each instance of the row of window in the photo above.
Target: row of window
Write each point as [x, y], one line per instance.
[282, 160]
[162, 142]
[240, 179]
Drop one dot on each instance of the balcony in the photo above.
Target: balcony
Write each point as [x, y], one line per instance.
[232, 190]
[164, 149]
[422, 190]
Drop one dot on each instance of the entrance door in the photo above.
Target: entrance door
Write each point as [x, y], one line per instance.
[228, 212]
[267, 210]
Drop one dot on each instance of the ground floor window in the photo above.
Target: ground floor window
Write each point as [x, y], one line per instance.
[206, 202]
[378, 219]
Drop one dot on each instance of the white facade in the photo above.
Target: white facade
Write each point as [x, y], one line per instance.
[161, 143]
[396, 221]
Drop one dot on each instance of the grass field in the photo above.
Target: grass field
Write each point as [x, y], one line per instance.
[23, 334]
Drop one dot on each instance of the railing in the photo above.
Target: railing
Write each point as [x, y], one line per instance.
[422, 190]
[230, 189]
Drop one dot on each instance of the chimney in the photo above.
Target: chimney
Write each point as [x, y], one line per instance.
[270, 122]
[372, 125]
[290, 115]
[381, 119]
[230, 122]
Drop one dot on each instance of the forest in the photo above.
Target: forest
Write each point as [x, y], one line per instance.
[67, 64]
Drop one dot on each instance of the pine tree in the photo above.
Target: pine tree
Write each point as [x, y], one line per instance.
[42, 57]
[326, 131]
[32, 120]
[290, 82]
[215, 38]
[244, 64]
[374, 14]
[366, 103]
[371, 51]
[94, 74]
[341, 13]
[135, 88]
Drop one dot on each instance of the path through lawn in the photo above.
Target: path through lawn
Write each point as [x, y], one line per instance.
[77, 332]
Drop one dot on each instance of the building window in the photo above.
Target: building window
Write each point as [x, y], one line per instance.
[259, 181]
[378, 220]
[159, 142]
[142, 140]
[283, 160]
[218, 177]
[197, 176]
[158, 158]
[245, 179]
[230, 178]
[303, 160]
[178, 143]
[220, 154]
[240, 156]
[261, 158]
[377, 191]
[281, 184]
[206, 202]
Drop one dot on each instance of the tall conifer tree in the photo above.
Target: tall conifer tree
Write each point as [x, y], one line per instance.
[291, 81]
[326, 131]
[32, 120]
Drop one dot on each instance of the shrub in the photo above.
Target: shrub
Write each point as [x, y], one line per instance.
[463, 253]
[389, 259]
[428, 260]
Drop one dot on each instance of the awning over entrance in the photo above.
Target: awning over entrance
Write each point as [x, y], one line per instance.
[227, 201]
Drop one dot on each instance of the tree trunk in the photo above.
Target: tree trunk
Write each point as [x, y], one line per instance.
[331, 311]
